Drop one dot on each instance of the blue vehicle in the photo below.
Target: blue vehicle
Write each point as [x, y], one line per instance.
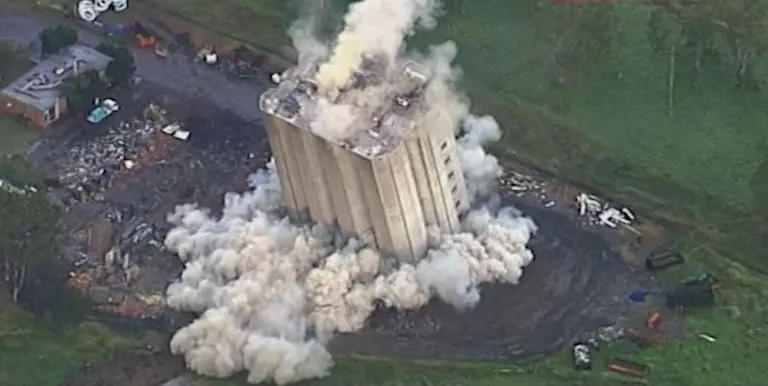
[106, 108]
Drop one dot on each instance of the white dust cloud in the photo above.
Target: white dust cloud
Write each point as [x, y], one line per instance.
[373, 28]
[272, 293]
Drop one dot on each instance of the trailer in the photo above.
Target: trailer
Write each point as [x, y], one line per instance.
[691, 294]
[623, 366]
[664, 260]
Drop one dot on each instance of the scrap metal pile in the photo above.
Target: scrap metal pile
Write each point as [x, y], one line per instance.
[92, 166]
[598, 212]
[118, 184]
[521, 185]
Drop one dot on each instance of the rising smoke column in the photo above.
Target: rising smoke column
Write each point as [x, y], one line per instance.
[373, 27]
[271, 293]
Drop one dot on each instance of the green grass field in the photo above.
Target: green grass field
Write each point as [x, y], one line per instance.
[34, 354]
[14, 136]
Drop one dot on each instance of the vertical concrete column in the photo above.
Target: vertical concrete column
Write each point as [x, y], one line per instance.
[280, 156]
[437, 196]
[443, 163]
[320, 205]
[288, 137]
[393, 219]
[421, 180]
[353, 212]
[359, 206]
[373, 202]
[338, 193]
[411, 211]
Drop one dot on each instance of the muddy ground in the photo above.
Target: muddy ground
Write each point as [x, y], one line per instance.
[575, 284]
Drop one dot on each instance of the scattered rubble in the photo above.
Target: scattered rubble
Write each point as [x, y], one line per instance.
[94, 165]
[118, 182]
[11, 188]
[521, 183]
[609, 334]
[601, 213]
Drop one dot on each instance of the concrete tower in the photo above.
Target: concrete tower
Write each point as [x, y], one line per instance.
[395, 174]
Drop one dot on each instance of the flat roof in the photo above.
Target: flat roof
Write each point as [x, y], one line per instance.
[379, 123]
[39, 87]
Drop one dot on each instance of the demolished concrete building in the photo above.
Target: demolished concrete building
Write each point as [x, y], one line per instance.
[388, 176]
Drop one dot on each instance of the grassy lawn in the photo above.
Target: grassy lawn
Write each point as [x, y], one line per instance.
[14, 136]
[33, 354]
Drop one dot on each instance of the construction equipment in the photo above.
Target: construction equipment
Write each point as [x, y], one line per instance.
[663, 260]
[144, 38]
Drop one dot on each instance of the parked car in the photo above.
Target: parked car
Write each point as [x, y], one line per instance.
[582, 356]
[106, 108]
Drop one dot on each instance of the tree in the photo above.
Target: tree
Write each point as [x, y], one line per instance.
[759, 187]
[29, 228]
[13, 60]
[579, 34]
[55, 39]
[82, 90]
[663, 31]
[122, 66]
[30, 265]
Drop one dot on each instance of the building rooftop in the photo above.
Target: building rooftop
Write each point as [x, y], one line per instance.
[375, 110]
[38, 87]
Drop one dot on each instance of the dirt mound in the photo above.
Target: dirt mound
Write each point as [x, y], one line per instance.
[133, 369]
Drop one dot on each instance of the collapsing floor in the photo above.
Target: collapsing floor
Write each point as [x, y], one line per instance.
[395, 174]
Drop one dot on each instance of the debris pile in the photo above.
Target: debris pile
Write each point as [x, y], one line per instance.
[601, 213]
[521, 183]
[92, 166]
[11, 188]
[119, 183]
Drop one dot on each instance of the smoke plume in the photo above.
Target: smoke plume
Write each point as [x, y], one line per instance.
[271, 293]
[373, 27]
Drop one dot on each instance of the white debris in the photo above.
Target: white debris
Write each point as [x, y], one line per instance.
[11, 188]
[521, 183]
[588, 204]
[601, 213]
[182, 135]
[170, 129]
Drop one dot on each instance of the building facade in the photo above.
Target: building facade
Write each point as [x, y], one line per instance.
[388, 199]
[35, 96]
